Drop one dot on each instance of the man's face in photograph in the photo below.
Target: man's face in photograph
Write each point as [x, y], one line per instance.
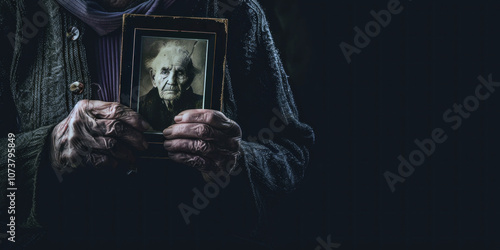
[171, 72]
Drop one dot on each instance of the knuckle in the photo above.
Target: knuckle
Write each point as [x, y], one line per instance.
[234, 129]
[82, 104]
[202, 147]
[219, 115]
[204, 131]
[116, 109]
[109, 143]
[196, 162]
[209, 117]
[116, 128]
[237, 128]
[235, 143]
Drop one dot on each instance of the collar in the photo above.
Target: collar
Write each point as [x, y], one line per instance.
[105, 22]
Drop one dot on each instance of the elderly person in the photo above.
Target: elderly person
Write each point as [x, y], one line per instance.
[172, 73]
[58, 88]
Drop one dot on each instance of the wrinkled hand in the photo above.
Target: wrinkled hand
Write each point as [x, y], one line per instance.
[204, 139]
[97, 134]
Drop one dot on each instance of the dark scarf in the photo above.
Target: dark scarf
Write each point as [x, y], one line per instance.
[105, 22]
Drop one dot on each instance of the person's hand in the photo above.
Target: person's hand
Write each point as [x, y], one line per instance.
[204, 139]
[97, 134]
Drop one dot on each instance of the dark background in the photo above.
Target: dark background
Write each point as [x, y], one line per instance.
[367, 113]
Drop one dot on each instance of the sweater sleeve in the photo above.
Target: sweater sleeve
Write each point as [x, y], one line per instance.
[28, 145]
[276, 144]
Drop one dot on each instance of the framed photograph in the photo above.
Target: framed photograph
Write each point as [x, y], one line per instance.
[171, 64]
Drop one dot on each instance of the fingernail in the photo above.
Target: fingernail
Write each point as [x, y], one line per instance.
[167, 144]
[146, 125]
[167, 132]
[145, 144]
[178, 118]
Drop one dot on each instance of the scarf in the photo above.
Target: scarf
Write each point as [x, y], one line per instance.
[105, 22]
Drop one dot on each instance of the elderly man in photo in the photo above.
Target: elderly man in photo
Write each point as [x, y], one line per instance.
[172, 73]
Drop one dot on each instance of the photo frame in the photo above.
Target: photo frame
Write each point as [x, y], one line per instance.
[171, 64]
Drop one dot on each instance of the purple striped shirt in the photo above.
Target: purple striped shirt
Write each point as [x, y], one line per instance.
[109, 42]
